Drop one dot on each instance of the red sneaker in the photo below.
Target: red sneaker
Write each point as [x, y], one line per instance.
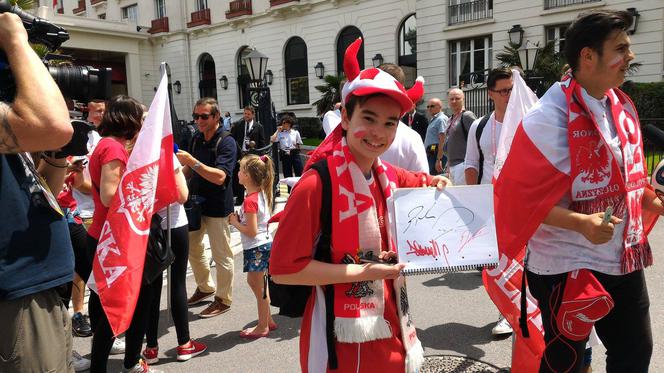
[190, 350]
[151, 355]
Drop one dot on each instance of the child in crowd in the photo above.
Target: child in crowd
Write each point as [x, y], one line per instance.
[373, 331]
[256, 175]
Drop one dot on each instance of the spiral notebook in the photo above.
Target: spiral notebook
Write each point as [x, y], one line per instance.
[444, 231]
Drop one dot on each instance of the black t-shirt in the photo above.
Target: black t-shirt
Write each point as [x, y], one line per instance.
[218, 198]
[35, 249]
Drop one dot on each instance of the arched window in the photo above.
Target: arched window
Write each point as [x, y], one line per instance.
[297, 69]
[408, 49]
[348, 35]
[243, 78]
[207, 84]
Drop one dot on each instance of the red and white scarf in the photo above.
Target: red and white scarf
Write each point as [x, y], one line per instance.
[597, 181]
[359, 306]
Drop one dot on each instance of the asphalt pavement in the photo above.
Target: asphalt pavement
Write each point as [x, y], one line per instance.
[452, 312]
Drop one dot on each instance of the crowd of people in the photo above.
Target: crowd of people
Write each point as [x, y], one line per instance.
[357, 316]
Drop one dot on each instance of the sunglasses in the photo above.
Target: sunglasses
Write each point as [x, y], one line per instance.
[502, 92]
[202, 116]
[430, 106]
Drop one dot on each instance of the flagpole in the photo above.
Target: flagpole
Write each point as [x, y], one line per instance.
[166, 70]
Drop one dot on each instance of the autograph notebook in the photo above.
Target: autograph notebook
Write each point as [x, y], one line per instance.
[448, 231]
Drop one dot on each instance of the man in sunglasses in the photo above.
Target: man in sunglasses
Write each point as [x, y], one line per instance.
[209, 169]
[482, 144]
[435, 136]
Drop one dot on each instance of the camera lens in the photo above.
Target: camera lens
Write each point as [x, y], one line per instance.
[82, 83]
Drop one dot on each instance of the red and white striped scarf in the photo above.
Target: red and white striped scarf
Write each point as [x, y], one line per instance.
[596, 178]
[359, 307]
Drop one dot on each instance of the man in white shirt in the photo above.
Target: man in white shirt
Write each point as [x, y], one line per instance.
[499, 84]
[331, 119]
[289, 147]
[479, 160]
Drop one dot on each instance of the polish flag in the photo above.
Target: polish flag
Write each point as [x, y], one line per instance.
[147, 186]
[504, 283]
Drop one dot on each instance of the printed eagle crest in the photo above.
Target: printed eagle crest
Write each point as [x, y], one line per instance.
[141, 200]
[593, 162]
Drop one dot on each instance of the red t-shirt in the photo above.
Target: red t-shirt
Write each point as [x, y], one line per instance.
[292, 250]
[106, 151]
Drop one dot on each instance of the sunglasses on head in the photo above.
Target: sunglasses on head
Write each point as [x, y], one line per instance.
[502, 92]
[202, 116]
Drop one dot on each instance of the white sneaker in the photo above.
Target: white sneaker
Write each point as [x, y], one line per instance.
[502, 327]
[142, 367]
[118, 346]
[78, 362]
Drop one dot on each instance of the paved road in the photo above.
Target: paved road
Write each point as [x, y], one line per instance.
[452, 312]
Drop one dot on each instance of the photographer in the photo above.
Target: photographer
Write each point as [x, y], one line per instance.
[36, 257]
[289, 146]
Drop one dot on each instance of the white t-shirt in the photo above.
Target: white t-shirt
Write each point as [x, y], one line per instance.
[489, 144]
[330, 120]
[255, 203]
[177, 213]
[84, 203]
[553, 250]
[407, 150]
[289, 139]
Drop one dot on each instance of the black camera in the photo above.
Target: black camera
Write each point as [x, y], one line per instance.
[81, 83]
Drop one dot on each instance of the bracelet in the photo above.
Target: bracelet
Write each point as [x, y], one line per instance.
[196, 166]
[44, 157]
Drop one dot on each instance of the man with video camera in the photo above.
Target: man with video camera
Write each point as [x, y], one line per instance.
[36, 258]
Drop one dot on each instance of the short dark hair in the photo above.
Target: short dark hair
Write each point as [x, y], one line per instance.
[497, 74]
[395, 70]
[214, 105]
[591, 29]
[123, 118]
[287, 119]
[354, 101]
[250, 108]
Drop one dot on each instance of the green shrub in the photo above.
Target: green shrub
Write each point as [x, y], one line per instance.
[309, 126]
[648, 98]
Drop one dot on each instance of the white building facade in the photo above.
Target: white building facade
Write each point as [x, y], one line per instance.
[204, 41]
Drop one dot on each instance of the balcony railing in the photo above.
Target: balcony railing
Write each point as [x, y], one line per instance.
[279, 2]
[239, 8]
[97, 2]
[200, 17]
[159, 25]
[550, 4]
[80, 8]
[470, 12]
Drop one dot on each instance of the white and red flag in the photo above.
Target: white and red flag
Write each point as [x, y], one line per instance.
[147, 186]
[503, 283]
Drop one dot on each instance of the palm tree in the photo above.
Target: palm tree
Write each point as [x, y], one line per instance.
[331, 94]
[23, 4]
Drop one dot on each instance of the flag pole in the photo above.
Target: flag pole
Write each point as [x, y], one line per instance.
[164, 69]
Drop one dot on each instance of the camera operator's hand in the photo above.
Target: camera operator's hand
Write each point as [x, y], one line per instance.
[12, 32]
[38, 119]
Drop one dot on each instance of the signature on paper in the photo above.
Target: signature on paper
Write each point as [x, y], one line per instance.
[430, 249]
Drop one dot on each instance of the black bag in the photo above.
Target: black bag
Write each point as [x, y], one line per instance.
[194, 209]
[158, 255]
[292, 299]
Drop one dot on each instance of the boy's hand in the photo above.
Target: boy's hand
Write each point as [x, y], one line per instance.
[382, 271]
[597, 232]
[438, 181]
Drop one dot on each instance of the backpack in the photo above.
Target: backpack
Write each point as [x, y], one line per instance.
[478, 135]
[158, 254]
[292, 299]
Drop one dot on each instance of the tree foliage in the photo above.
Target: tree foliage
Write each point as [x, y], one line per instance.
[330, 94]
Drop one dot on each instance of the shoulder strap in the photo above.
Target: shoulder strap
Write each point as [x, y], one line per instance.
[478, 135]
[463, 127]
[324, 254]
[224, 135]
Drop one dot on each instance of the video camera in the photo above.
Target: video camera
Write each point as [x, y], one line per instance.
[81, 83]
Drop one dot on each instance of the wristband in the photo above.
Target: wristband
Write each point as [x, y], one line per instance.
[196, 166]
